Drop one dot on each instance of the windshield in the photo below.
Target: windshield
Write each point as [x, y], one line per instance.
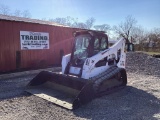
[81, 46]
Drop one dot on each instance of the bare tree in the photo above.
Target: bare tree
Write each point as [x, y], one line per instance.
[156, 31]
[4, 10]
[154, 37]
[18, 13]
[103, 27]
[60, 20]
[124, 29]
[44, 19]
[73, 22]
[89, 23]
[70, 21]
[81, 25]
[138, 34]
[51, 20]
[63, 21]
[26, 14]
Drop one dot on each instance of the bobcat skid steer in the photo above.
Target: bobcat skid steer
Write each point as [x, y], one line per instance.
[90, 71]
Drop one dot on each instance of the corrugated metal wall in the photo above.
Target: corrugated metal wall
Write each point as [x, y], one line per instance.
[60, 38]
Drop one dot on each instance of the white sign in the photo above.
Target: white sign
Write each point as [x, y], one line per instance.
[34, 40]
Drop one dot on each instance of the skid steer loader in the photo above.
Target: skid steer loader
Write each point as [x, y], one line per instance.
[91, 70]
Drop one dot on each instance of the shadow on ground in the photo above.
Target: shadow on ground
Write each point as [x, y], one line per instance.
[11, 88]
[127, 104]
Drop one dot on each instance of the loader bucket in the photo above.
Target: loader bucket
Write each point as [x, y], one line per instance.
[66, 91]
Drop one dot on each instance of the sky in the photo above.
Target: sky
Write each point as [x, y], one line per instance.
[112, 12]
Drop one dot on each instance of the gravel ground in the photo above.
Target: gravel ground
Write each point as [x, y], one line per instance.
[140, 100]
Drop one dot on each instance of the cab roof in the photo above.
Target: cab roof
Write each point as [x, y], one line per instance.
[90, 32]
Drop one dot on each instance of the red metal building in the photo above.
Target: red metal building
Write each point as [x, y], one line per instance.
[12, 57]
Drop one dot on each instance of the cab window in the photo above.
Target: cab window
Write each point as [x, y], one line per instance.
[103, 43]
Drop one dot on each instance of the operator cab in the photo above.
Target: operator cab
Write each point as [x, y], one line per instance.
[87, 44]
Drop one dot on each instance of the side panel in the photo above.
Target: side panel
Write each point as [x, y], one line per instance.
[65, 61]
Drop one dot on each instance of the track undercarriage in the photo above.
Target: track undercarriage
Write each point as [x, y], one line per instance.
[71, 92]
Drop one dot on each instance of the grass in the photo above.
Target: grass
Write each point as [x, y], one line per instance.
[153, 53]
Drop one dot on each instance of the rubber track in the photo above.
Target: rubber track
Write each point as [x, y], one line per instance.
[104, 76]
